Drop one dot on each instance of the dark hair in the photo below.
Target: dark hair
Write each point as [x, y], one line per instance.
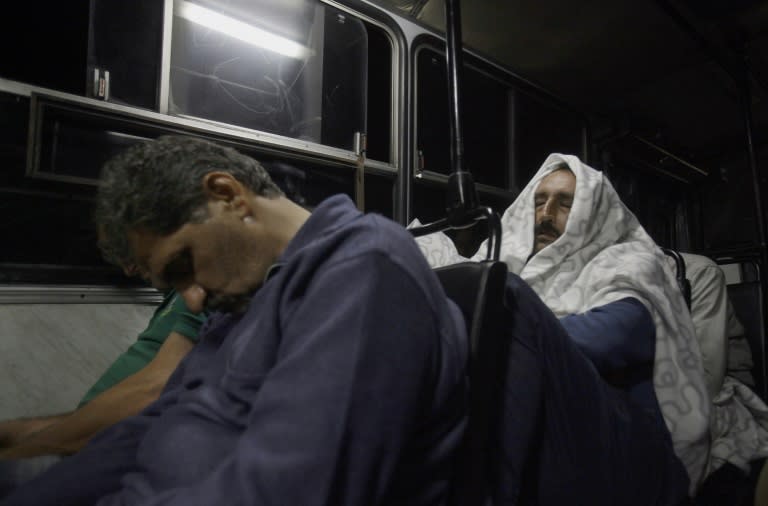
[157, 186]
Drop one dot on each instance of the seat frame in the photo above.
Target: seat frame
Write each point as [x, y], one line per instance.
[477, 288]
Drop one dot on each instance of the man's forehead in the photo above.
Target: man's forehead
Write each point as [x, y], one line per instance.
[561, 180]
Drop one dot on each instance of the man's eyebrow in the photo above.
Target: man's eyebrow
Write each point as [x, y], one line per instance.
[561, 193]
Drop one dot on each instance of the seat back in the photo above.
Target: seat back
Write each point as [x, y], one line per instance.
[747, 300]
[478, 289]
[745, 290]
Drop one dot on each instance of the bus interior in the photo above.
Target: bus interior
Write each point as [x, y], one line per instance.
[668, 98]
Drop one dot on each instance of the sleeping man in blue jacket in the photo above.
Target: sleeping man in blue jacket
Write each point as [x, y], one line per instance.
[331, 371]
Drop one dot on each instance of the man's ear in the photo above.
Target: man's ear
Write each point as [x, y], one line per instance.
[221, 186]
[224, 188]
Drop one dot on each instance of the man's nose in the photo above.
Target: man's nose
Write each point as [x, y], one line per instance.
[548, 211]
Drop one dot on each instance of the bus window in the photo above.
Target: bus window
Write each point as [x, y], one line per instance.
[487, 128]
[341, 84]
[380, 194]
[430, 203]
[507, 132]
[296, 69]
[125, 39]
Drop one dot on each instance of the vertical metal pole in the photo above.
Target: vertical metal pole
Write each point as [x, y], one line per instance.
[360, 143]
[745, 96]
[454, 57]
[746, 106]
[585, 142]
[462, 195]
[164, 86]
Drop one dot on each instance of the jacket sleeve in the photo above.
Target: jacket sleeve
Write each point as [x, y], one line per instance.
[615, 337]
[81, 479]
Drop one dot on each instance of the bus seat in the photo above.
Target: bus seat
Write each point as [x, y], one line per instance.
[478, 289]
[747, 300]
[682, 280]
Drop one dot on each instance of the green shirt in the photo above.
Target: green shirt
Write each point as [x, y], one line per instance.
[171, 316]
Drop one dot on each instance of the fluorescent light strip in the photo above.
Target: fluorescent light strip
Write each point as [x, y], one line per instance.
[241, 31]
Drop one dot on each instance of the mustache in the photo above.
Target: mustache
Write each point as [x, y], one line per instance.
[546, 227]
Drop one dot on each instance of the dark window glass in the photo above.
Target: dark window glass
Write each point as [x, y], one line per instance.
[507, 133]
[45, 44]
[541, 129]
[305, 182]
[380, 105]
[14, 124]
[125, 40]
[429, 202]
[49, 235]
[71, 142]
[485, 121]
[48, 228]
[658, 214]
[380, 194]
[45, 225]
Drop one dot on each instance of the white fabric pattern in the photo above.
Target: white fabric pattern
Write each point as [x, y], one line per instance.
[739, 426]
[739, 417]
[605, 255]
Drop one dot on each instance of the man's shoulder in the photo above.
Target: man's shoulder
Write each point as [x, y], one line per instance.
[337, 235]
[380, 239]
[348, 232]
[699, 268]
[630, 257]
[338, 217]
[694, 261]
[354, 240]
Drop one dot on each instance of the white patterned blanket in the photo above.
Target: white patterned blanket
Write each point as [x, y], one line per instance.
[605, 255]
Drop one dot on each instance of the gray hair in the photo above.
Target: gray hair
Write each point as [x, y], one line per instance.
[157, 186]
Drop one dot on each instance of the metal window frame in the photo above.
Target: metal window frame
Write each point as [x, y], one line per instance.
[427, 39]
[164, 84]
[77, 294]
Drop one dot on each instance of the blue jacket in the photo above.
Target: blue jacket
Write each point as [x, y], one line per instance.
[620, 340]
[343, 384]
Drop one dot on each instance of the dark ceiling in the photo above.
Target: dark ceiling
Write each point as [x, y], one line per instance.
[669, 70]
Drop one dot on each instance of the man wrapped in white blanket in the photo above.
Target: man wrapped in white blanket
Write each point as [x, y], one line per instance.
[592, 252]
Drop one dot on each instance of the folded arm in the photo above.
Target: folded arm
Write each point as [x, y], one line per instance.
[616, 337]
[68, 433]
[12, 432]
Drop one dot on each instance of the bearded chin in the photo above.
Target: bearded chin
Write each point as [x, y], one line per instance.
[237, 304]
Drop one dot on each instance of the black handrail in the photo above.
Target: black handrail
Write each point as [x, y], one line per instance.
[463, 210]
[680, 275]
